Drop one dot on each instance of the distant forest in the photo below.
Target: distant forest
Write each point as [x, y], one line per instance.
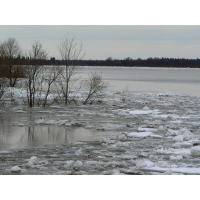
[127, 62]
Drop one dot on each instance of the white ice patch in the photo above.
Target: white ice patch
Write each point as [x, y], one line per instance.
[148, 129]
[195, 150]
[183, 170]
[144, 164]
[122, 137]
[195, 124]
[178, 138]
[139, 135]
[116, 172]
[184, 131]
[145, 108]
[68, 164]
[78, 152]
[163, 164]
[15, 169]
[176, 158]
[140, 112]
[155, 136]
[182, 145]
[34, 162]
[171, 151]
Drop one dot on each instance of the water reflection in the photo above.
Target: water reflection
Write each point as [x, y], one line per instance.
[12, 137]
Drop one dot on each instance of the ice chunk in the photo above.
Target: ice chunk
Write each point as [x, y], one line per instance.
[178, 138]
[147, 129]
[116, 172]
[144, 163]
[32, 161]
[153, 157]
[182, 145]
[141, 164]
[176, 158]
[122, 137]
[16, 169]
[68, 164]
[145, 108]
[186, 137]
[78, 152]
[78, 164]
[149, 163]
[195, 124]
[139, 112]
[195, 150]
[155, 136]
[163, 164]
[139, 135]
[171, 132]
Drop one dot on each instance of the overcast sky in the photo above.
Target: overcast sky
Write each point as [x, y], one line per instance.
[118, 41]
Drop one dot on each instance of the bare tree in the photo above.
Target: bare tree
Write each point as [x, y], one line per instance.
[9, 50]
[52, 75]
[71, 51]
[3, 84]
[123, 94]
[95, 86]
[33, 82]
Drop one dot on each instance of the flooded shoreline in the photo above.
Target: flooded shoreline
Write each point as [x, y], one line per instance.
[125, 134]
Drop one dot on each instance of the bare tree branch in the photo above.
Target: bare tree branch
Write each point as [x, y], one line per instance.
[72, 52]
[95, 86]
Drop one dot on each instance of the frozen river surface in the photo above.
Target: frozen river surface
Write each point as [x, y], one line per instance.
[150, 80]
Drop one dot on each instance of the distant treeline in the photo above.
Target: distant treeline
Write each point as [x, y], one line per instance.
[127, 62]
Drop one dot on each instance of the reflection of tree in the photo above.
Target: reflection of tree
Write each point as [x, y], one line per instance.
[31, 134]
[66, 139]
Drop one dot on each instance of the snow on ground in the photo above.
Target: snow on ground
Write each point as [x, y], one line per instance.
[156, 134]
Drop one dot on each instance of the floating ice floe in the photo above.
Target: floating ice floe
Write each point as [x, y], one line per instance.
[182, 145]
[139, 134]
[142, 135]
[153, 157]
[172, 151]
[140, 112]
[116, 172]
[145, 108]
[78, 152]
[183, 170]
[147, 129]
[15, 169]
[34, 162]
[195, 124]
[176, 158]
[144, 164]
[155, 136]
[195, 150]
[163, 164]
[184, 132]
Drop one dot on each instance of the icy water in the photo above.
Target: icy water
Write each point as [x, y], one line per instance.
[137, 80]
[149, 134]
[19, 130]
